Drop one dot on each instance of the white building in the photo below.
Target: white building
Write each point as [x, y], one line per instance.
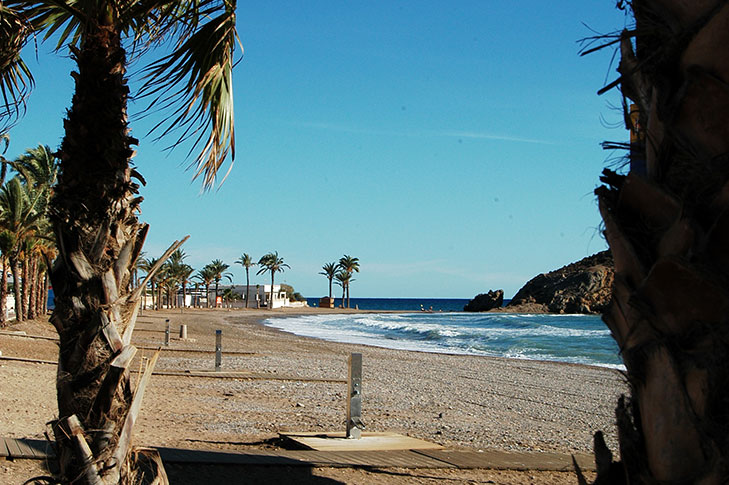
[258, 296]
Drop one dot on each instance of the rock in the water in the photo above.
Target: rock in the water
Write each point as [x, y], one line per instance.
[485, 301]
[581, 287]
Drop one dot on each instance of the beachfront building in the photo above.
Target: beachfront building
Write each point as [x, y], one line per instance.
[259, 295]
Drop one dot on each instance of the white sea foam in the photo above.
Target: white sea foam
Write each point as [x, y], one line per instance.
[569, 338]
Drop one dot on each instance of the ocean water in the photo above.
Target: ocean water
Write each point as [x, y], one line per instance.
[581, 339]
[400, 304]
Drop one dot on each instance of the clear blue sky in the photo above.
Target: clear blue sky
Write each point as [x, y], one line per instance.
[452, 147]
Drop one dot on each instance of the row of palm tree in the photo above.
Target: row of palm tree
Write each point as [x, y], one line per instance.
[26, 243]
[341, 271]
[176, 275]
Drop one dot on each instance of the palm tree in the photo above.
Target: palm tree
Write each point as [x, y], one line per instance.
[273, 263]
[205, 276]
[183, 273]
[350, 265]
[179, 272]
[96, 201]
[146, 265]
[330, 270]
[343, 279]
[666, 223]
[21, 211]
[217, 267]
[37, 169]
[246, 261]
[230, 295]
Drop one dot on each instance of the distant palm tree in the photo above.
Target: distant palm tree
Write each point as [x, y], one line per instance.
[350, 265]
[273, 263]
[217, 267]
[246, 261]
[343, 279]
[230, 295]
[179, 271]
[330, 270]
[184, 273]
[146, 265]
[22, 209]
[205, 276]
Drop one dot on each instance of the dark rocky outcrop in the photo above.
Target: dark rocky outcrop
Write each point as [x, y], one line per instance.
[485, 301]
[581, 287]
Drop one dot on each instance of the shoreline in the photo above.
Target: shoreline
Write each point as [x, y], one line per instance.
[617, 368]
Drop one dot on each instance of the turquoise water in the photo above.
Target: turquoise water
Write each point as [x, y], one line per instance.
[582, 339]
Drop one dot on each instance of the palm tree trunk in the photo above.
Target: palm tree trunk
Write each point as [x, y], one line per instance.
[330, 289]
[4, 292]
[44, 306]
[32, 287]
[99, 240]
[15, 269]
[25, 288]
[667, 225]
[270, 305]
[247, 286]
[152, 290]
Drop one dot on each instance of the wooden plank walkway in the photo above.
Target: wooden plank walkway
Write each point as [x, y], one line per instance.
[28, 449]
[245, 375]
[496, 460]
[10, 333]
[194, 351]
[259, 376]
[23, 359]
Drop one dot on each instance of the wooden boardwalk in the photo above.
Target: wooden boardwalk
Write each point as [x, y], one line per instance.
[11, 448]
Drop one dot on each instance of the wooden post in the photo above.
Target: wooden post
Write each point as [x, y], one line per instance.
[218, 349]
[354, 397]
[167, 332]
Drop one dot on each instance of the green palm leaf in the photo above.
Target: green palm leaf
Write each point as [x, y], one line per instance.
[195, 83]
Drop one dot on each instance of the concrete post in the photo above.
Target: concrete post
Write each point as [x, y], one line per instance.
[218, 349]
[183, 332]
[354, 397]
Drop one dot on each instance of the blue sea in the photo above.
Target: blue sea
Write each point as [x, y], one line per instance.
[581, 339]
[400, 304]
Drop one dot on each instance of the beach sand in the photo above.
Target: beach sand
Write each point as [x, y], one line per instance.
[457, 401]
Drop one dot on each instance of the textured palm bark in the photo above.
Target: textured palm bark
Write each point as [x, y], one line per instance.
[668, 229]
[99, 240]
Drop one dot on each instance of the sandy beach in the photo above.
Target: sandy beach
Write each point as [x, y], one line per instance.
[456, 401]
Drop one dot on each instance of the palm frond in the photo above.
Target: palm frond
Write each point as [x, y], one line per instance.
[194, 83]
[16, 80]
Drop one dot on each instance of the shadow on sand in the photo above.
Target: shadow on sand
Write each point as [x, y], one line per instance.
[194, 474]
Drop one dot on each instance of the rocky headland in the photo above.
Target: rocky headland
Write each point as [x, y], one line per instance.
[581, 287]
[485, 301]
